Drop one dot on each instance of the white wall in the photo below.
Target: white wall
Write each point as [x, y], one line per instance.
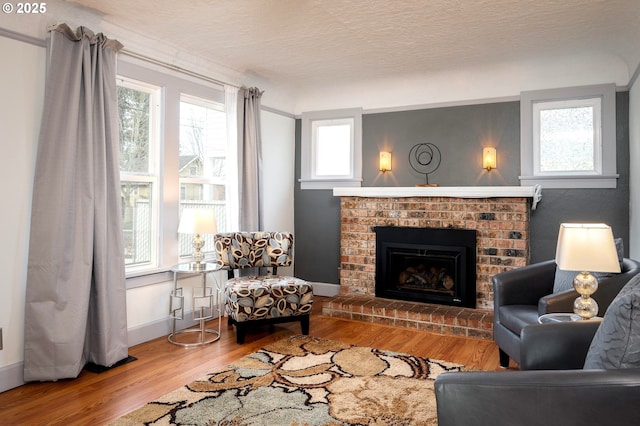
[466, 85]
[22, 88]
[634, 171]
[278, 159]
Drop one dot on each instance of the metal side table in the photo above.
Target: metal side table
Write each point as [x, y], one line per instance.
[206, 300]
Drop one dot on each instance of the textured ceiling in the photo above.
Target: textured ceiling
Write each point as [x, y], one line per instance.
[316, 42]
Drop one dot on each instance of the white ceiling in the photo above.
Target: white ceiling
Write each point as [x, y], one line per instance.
[303, 44]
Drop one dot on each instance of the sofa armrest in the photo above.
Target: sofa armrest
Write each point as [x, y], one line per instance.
[556, 346]
[524, 286]
[557, 302]
[538, 397]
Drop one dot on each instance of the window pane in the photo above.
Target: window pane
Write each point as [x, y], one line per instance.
[134, 120]
[136, 221]
[333, 149]
[203, 141]
[567, 140]
[203, 151]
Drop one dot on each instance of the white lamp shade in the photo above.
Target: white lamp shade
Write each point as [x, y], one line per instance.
[489, 158]
[198, 221]
[586, 247]
[385, 161]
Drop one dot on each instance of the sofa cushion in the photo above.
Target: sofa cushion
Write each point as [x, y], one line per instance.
[253, 298]
[616, 344]
[564, 279]
[516, 317]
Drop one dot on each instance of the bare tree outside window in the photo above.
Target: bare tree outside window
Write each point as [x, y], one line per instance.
[137, 177]
[133, 111]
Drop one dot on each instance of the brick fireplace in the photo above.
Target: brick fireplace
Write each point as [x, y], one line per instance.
[499, 215]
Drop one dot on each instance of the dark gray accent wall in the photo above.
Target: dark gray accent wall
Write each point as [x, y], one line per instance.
[460, 133]
[316, 229]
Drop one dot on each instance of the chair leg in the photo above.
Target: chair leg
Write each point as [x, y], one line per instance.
[239, 334]
[504, 358]
[304, 325]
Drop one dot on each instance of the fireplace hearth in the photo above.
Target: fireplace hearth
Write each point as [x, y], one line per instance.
[431, 265]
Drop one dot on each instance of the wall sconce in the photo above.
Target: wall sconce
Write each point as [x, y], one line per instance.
[488, 158]
[385, 161]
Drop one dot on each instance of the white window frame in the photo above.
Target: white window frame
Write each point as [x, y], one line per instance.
[604, 174]
[310, 123]
[152, 176]
[207, 103]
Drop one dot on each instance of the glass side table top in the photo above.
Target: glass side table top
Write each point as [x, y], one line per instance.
[559, 317]
[191, 267]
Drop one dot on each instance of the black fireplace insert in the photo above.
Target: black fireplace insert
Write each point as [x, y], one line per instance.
[431, 265]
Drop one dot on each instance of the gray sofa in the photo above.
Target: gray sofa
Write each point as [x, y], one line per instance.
[605, 392]
[543, 397]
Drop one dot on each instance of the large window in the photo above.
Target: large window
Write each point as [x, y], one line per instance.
[138, 119]
[203, 152]
[331, 153]
[568, 137]
[173, 154]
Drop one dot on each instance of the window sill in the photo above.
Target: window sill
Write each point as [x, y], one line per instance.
[148, 278]
[571, 182]
[329, 183]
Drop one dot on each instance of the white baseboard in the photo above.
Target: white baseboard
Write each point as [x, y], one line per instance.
[326, 289]
[11, 376]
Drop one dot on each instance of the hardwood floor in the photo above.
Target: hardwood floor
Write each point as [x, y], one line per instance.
[94, 399]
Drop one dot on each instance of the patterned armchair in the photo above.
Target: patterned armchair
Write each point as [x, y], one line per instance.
[258, 298]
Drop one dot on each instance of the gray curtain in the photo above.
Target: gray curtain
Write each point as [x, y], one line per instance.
[75, 296]
[249, 160]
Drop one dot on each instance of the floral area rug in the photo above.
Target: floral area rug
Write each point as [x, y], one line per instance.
[302, 380]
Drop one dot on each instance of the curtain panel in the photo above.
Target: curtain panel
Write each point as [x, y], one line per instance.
[76, 294]
[249, 159]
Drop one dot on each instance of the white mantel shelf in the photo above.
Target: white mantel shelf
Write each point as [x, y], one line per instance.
[534, 192]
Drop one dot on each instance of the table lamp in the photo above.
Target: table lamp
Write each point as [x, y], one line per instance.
[586, 247]
[198, 221]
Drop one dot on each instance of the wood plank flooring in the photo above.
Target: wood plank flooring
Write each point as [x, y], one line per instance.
[94, 399]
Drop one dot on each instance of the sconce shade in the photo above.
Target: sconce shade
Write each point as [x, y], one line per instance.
[385, 161]
[198, 221]
[489, 158]
[586, 247]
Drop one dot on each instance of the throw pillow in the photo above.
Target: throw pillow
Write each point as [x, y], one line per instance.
[616, 344]
[564, 279]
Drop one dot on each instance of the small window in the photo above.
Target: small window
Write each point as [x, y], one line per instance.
[568, 137]
[331, 149]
